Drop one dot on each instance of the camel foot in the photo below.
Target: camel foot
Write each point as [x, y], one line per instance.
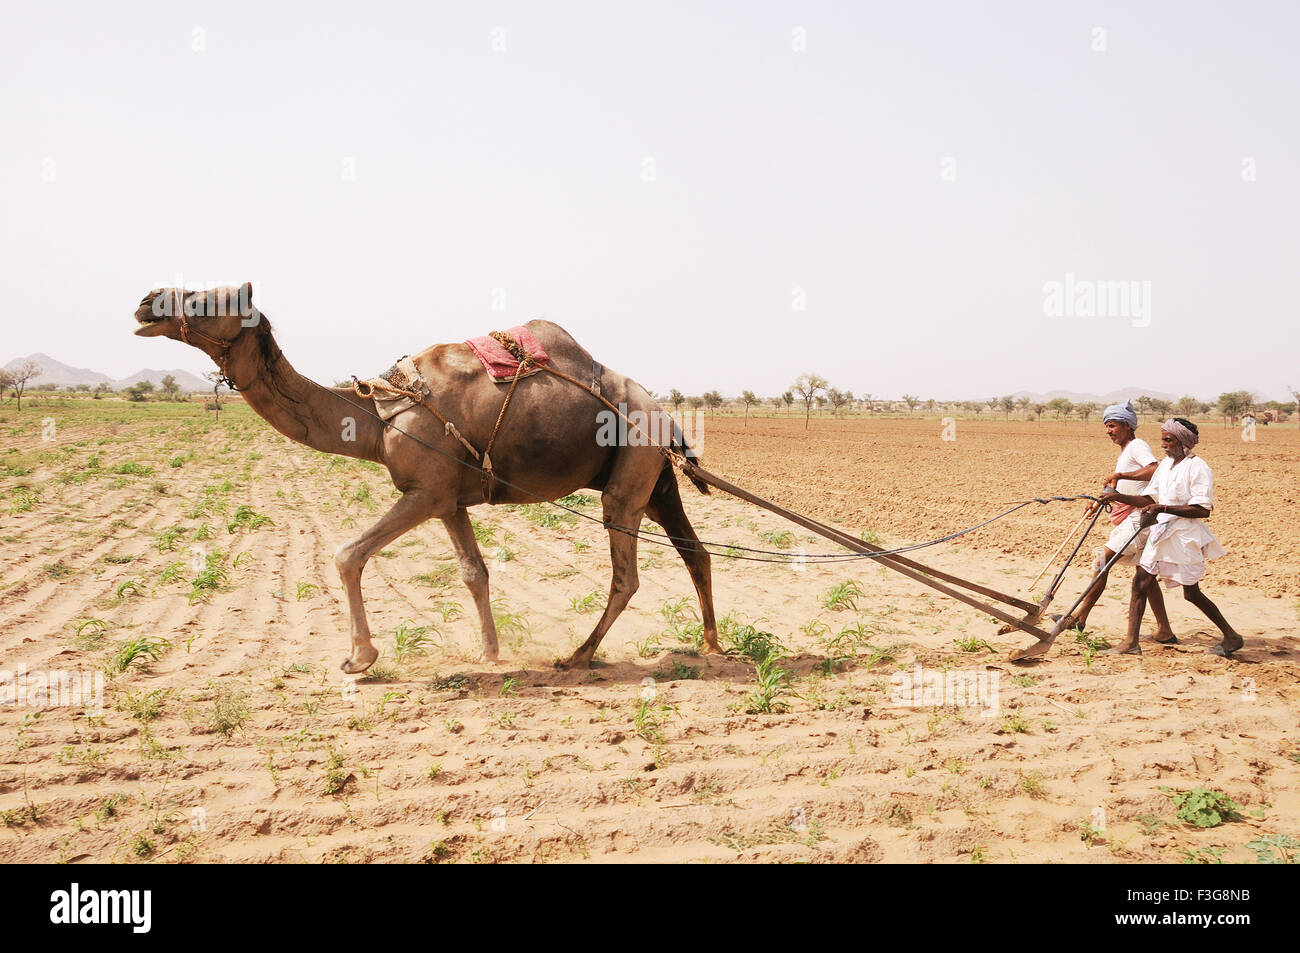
[1030, 651]
[360, 660]
[1121, 650]
[578, 659]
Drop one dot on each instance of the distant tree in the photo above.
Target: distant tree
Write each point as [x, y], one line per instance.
[1060, 406]
[1086, 410]
[1038, 411]
[1188, 406]
[788, 399]
[808, 387]
[19, 376]
[1022, 404]
[931, 404]
[140, 391]
[748, 397]
[714, 400]
[866, 401]
[6, 382]
[1234, 404]
[911, 400]
[216, 378]
[1162, 408]
[676, 398]
[975, 405]
[838, 398]
[1008, 404]
[170, 387]
[776, 403]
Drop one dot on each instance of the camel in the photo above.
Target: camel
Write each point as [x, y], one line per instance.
[546, 448]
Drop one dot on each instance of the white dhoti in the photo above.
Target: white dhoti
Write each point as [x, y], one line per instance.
[1122, 533]
[1177, 551]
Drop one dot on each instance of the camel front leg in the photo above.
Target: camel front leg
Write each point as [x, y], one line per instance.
[474, 573]
[408, 512]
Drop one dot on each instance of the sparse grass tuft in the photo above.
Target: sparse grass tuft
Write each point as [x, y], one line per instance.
[411, 640]
[211, 578]
[773, 683]
[89, 633]
[588, 603]
[247, 518]
[842, 596]
[146, 648]
[230, 711]
[1032, 784]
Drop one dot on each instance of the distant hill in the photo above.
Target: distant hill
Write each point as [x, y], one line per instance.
[63, 375]
[56, 372]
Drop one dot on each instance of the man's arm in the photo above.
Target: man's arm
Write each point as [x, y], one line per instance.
[1140, 502]
[1142, 475]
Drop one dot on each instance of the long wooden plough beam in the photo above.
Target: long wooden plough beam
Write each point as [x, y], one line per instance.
[908, 567]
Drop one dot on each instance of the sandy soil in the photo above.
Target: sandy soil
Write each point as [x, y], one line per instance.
[242, 741]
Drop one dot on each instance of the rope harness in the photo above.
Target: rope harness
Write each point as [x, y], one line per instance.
[222, 357]
[487, 475]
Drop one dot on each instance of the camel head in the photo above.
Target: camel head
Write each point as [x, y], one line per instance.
[204, 319]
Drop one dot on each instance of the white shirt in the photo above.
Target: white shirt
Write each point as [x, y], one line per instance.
[1190, 483]
[1135, 455]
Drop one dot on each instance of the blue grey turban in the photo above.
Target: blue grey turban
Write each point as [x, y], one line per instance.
[1122, 412]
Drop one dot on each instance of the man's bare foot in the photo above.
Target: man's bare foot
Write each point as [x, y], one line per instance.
[1122, 649]
[1229, 645]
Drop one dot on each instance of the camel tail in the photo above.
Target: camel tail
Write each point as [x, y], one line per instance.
[680, 444]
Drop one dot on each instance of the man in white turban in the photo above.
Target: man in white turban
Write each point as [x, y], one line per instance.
[1133, 470]
[1177, 502]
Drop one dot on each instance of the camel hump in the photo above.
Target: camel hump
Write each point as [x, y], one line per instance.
[553, 337]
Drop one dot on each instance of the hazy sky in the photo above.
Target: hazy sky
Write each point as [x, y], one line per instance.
[670, 182]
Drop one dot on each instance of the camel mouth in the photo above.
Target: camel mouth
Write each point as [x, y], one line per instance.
[149, 323]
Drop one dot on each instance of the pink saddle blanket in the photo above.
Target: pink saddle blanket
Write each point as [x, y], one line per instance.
[499, 362]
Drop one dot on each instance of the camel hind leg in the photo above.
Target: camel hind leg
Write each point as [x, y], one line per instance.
[666, 509]
[623, 582]
[624, 498]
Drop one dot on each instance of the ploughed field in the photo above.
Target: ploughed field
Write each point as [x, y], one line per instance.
[898, 476]
[187, 566]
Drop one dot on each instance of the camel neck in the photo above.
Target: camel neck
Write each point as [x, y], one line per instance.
[329, 419]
